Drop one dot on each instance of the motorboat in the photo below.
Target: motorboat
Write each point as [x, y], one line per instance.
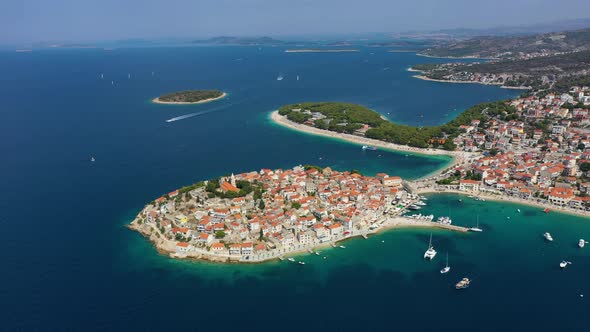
[548, 236]
[301, 263]
[291, 259]
[464, 283]
[581, 243]
[563, 264]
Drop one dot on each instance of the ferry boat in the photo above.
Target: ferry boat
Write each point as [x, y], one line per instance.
[563, 264]
[370, 148]
[581, 243]
[464, 283]
[547, 236]
[447, 268]
[430, 252]
[291, 259]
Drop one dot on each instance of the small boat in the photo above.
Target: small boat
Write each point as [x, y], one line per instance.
[101, 76]
[301, 263]
[470, 196]
[281, 258]
[370, 148]
[548, 236]
[546, 210]
[317, 253]
[563, 264]
[291, 259]
[447, 268]
[342, 247]
[128, 76]
[444, 220]
[414, 207]
[476, 228]
[581, 243]
[464, 283]
[298, 77]
[430, 252]
[518, 210]
[92, 159]
[460, 200]
[280, 78]
[420, 203]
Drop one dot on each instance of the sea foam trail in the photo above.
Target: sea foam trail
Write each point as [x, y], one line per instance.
[186, 116]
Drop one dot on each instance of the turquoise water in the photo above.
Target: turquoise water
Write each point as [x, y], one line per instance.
[69, 262]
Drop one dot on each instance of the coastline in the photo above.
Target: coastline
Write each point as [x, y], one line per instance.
[504, 198]
[320, 51]
[158, 101]
[283, 121]
[424, 78]
[455, 57]
[168, 247]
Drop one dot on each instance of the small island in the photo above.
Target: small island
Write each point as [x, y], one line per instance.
[190, 97]
[269, 214]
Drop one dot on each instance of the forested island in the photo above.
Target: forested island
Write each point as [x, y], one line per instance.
[190, 97]
[358, 120]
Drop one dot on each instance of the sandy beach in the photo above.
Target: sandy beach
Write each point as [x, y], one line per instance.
[283, 121]
[505, 198]
[158, 101]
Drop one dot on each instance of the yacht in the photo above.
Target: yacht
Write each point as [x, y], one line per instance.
[547, 236]
[420, 203]
[464, 283]
[291, 259]
[476, 228]
[581, 243]
[414, 207]
[430, 252]
[447, 268]
[342, 247]
[563, 264]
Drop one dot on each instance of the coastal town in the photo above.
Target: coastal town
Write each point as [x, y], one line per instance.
[537, 150]
[258, 216]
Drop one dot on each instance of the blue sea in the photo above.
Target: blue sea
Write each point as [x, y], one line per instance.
[69, 262]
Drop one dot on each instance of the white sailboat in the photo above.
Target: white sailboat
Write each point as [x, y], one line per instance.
[476, 228]
[101, 76]
[430, 252]
[298, 77]
[280, 78]
[447, 268]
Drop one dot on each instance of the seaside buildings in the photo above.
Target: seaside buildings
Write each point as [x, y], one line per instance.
[272, 212]
[539, 148]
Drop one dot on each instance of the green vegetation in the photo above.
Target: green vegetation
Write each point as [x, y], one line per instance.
[339, 117]
[219, 234]
[585, 167]
[190, 96]
[245, 187]
[384, 130]
[296, 205]
[509, 46]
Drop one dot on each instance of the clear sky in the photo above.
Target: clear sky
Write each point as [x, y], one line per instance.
[87, 20]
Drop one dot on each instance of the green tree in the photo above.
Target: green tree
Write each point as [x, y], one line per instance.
[219, 234]
[261, 205]
[296, 205]
[585, 167]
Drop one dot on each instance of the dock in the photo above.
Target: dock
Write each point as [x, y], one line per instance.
[405, 221]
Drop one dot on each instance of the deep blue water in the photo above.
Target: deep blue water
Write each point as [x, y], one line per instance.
[69, 262]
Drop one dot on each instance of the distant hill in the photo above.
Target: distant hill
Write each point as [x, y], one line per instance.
[515, 46]
[227, 40]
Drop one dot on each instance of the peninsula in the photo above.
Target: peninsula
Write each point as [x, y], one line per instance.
[190, 97]
[269, 214]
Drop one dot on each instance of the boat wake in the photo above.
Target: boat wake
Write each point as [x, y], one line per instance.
[187, 116]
